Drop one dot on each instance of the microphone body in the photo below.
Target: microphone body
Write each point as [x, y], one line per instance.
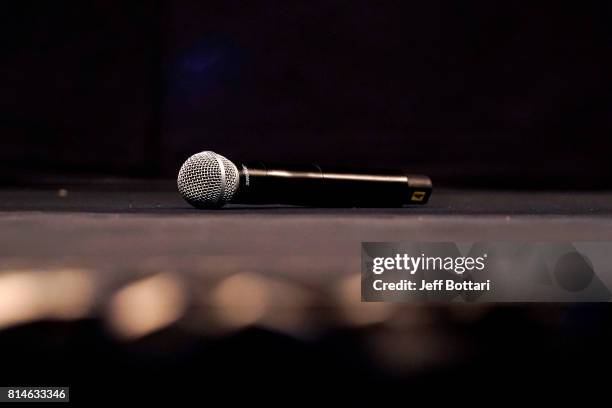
[209, 180]
[324, 186]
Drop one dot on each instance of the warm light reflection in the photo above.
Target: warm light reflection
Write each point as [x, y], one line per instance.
[289, 313]
[29, 295]
[146, 306]
[69, 293]
[354, 310]
[19, 299]
[241, 299]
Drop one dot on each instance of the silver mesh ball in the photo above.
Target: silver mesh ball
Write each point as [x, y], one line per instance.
[207, 180]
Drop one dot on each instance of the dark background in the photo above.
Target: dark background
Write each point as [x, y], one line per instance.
[475, 93]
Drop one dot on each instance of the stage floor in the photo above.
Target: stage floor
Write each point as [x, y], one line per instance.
[134, 221]
[162, 197]
[129, 227]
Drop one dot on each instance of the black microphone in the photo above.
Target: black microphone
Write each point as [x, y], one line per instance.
[209, 180]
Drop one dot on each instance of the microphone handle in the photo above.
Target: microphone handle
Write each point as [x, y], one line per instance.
[313, 185]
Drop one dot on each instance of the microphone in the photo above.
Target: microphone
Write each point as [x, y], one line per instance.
[209, 180]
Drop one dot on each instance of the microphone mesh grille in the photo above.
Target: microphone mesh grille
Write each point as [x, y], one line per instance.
[207, 180]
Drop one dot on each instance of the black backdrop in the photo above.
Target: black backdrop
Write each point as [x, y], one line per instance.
[514, 94]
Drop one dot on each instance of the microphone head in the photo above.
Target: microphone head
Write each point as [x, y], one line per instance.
[208, 180]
